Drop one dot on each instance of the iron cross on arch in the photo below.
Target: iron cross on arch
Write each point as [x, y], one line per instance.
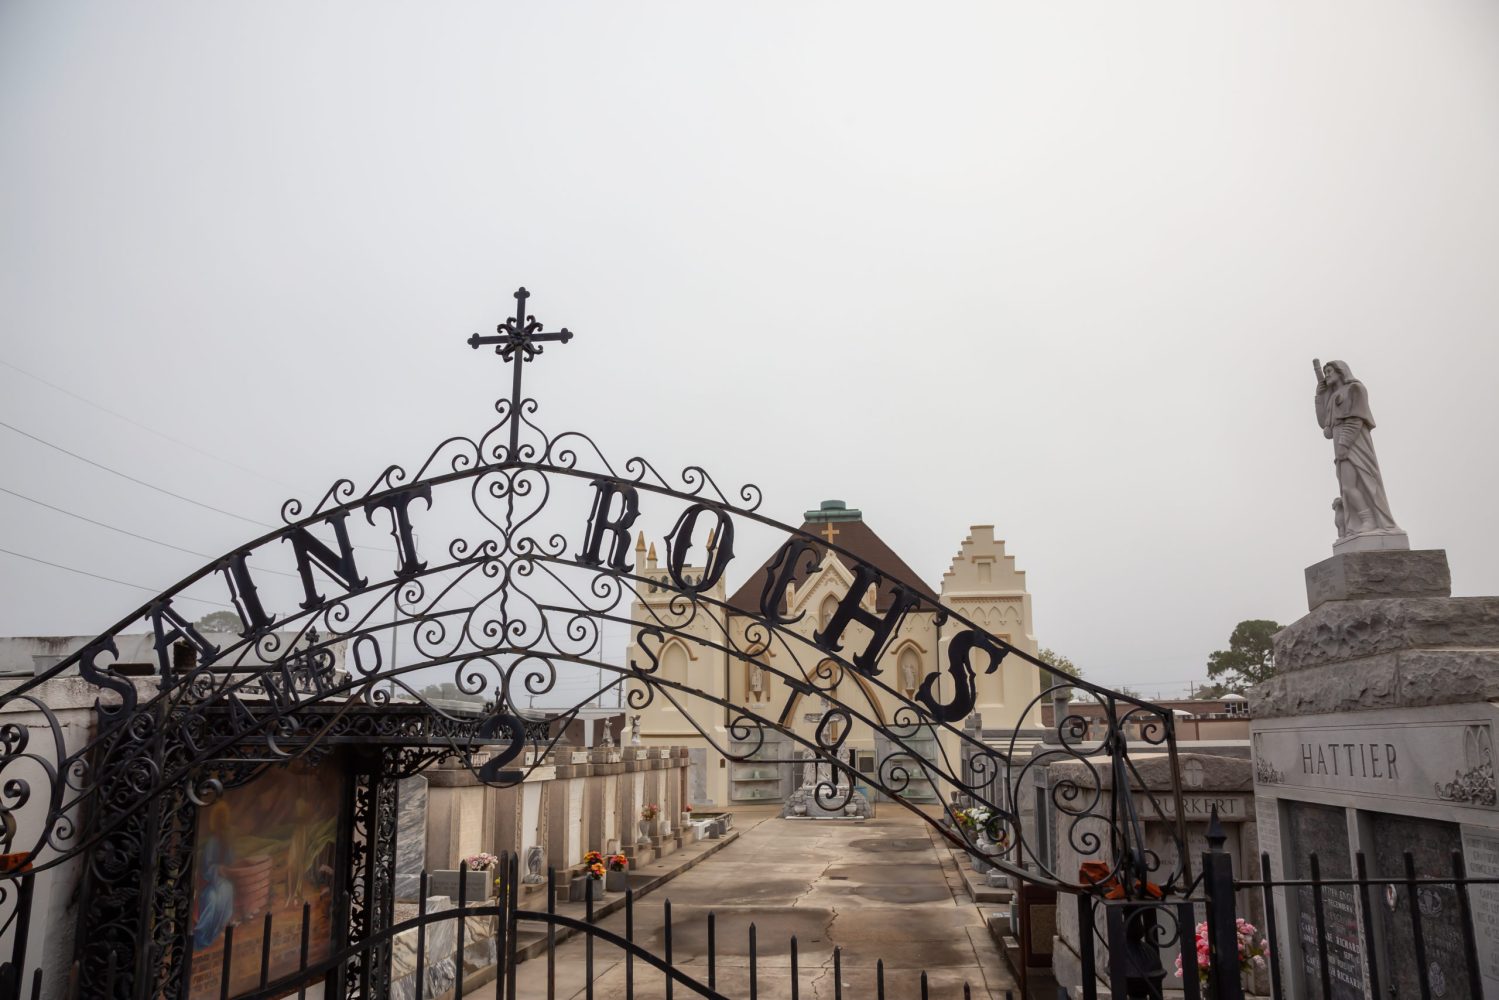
[518, 341]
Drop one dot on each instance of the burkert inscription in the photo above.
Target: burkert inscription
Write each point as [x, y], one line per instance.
[1323, 830]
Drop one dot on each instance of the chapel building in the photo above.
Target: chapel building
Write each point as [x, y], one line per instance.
[982, 584]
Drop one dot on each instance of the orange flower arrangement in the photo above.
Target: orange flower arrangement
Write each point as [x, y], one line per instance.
[593, 862]
[618, 862]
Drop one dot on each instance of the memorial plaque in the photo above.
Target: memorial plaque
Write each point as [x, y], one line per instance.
[1424, 757]
[1431, 844]
[1267, 831]
[1481, 853]
[697, 776]
[444, 882]
[1323, 830]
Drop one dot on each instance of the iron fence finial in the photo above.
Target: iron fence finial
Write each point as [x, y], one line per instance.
[1217, 837]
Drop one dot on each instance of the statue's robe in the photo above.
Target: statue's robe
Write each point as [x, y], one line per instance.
[1349, 405]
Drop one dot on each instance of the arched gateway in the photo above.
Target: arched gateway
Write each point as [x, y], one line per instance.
[534, 560]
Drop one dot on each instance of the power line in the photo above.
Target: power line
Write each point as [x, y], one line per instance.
[139, 482]
[122, 531]
[108, 579]
[145, 427]
[69, 513]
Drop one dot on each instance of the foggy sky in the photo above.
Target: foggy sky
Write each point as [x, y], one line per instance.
[1059, 268]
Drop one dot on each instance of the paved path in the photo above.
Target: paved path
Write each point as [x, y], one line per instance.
[881, 889]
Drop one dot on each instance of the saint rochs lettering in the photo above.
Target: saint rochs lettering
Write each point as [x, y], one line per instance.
[400, 524]
[242, 592]
[849, 610]
[310, 551]
[680, 541]
[781, 574]
[965, 692]
[169, 628]
[104, 678]
[600, 522]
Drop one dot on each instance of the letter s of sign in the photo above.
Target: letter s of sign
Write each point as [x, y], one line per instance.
[105, 678]
[964, 693]
[515, 731]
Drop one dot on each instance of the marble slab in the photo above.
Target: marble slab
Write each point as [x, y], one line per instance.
[411, 836]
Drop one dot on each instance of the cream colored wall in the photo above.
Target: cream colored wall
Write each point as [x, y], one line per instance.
[982, 584]
[661, 722]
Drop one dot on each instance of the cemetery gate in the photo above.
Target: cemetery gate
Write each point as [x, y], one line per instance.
[534, 566]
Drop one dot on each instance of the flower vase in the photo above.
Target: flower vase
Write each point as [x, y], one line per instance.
[686, 820]
[595, 888]
[616, 881]
[645, 831]
[983, 846]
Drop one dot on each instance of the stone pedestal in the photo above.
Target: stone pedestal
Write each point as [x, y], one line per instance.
[1373, 541]
[1383, 633]
[1357, 576]
[1376, 735]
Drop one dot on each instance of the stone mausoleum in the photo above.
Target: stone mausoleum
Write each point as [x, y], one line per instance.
[1376, 735]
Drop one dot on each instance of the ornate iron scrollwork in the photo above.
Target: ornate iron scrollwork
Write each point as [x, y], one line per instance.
[510, 601]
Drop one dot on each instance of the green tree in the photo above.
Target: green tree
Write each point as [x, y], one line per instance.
[1249, 658]
[1057, 661]
[219, 621]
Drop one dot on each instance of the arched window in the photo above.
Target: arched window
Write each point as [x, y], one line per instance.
[829, 608]
[674, 663]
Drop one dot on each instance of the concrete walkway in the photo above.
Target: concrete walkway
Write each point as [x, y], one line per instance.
[881, 889]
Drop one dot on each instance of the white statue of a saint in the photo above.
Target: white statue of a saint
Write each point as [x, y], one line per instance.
[1343, 411]
[908, 673]
[756, 681]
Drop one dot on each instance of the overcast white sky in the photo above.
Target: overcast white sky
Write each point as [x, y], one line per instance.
[1061, 268]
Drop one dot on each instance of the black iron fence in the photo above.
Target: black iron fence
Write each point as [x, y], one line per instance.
[1406, 934]
[367, 968]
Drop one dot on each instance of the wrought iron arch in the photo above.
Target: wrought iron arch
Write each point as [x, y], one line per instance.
[510, 601]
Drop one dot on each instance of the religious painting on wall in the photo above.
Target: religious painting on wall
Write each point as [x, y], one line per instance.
[266, 848]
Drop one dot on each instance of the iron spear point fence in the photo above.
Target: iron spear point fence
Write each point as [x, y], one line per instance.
[509, 920]
[1123, 943]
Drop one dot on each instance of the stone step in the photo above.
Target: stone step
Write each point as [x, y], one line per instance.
[978, 887]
